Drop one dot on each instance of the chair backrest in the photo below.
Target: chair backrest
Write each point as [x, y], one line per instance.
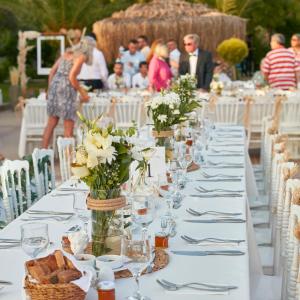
[289, 120]
[226, 111]
[94, 109]
[43, 166]
[65, 148]
[262, 107]
[16, 189]
[35, 114]
[127, 112]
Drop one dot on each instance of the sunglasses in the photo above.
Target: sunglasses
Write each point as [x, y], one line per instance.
[188, 44]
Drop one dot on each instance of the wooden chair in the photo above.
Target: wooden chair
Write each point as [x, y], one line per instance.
[65, 148]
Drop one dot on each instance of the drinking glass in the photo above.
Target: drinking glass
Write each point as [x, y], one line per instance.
[136, 252]
[34, 238]
[80, 208]
[143, 210]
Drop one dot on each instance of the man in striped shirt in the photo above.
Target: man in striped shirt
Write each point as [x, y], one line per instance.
[279, 66]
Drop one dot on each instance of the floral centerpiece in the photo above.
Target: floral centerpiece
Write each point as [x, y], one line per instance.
[185, 87]
[164, 109]
[216, 85]
[102, 162]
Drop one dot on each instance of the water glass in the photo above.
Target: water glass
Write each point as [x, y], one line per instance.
[80, 208]
[136, 253]
[34, 238]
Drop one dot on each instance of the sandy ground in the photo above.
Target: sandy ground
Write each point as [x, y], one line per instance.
[10, 124]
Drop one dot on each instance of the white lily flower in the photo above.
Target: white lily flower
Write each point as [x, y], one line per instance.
[92, 161]
[162, 118]
[107, 155]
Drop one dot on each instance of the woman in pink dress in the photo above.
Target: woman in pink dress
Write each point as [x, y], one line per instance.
[159, 73]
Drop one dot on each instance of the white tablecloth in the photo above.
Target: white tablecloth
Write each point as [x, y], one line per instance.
[232, 270]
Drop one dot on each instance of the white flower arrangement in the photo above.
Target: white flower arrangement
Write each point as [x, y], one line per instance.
[216, 85]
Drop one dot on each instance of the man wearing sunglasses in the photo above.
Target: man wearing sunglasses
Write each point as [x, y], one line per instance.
[196, 62]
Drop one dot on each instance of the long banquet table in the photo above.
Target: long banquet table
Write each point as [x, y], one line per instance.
[231, 270]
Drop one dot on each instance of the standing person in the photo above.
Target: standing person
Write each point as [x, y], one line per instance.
[118, 80]
[295, 48]
[174, 56]
[140, 80]
[152, 49]
[95, 75]
[279, 66]
[63, 87]
[132, 58]
[143, 45]
[196, 62]
[159, 71]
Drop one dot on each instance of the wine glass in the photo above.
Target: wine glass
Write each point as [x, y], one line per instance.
[80, 208]
[143, 210]
[34, 238]
[136, 252]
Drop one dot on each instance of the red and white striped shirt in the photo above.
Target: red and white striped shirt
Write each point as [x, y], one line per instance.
[280, 67]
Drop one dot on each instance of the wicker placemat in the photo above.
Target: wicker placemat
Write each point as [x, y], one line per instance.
[160, 261]
[193, 167]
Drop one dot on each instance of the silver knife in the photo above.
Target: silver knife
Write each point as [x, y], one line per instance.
[205, 253]
[216, 195]
[219, 180]
[221, 220]
[3, 282]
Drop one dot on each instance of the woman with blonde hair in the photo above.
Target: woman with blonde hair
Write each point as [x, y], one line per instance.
[152, 49]
[159, 74]
[63, 87]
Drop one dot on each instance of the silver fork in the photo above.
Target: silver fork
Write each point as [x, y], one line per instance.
[213, 240]
[56, 218]
[206, 175]
[211, 212]
[204, 190]
[224, 164]
[175, 288]
[213, 286]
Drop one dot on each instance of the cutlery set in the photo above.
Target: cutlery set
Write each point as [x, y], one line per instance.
[170, 286]
[194, 241]
[39, 215]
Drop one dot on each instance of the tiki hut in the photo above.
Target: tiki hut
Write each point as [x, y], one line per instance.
[166, 19]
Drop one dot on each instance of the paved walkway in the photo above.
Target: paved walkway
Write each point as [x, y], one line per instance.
[10, 124]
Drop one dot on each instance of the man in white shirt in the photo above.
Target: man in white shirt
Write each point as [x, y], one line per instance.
[140, 80]
[118, 80]
[143, 45]
[132, 58]
[94, 75]
[174, 56]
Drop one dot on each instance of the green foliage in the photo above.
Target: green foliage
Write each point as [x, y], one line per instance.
[233, 50]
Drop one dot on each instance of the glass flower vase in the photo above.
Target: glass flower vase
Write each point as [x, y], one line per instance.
[107, 221]
[164, 138]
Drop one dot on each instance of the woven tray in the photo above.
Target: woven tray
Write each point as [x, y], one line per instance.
[160, 261]
[193, 167]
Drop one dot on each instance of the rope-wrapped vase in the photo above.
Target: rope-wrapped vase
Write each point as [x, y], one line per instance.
[163, 139]
[106, 224]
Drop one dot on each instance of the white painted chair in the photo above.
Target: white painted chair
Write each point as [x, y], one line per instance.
[16, 189]
[128, 112]
[94, 109]
[33, 124]
[42, 172]
[227, 111]
[292, 243]
[65, 148]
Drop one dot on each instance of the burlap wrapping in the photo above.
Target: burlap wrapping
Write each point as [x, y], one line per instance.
[106, 205]
[297, 231]
[296, 196]
[289, 173]
[212, 102]
[162, 134]
[248, 100]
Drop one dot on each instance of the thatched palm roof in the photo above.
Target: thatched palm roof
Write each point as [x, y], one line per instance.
[167, 19]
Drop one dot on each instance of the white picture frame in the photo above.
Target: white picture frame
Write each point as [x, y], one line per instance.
[44, 70]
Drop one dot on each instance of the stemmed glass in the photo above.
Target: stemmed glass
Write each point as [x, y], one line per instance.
[34, 238]
[80, 208]
[143, 210]
[136, 252]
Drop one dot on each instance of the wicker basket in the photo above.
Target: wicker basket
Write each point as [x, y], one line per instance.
[60, 291]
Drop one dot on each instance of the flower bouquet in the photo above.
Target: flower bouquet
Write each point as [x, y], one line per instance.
[216, 85]
[102, 162]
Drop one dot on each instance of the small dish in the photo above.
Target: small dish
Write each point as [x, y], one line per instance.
[85, 259]
[113, 261]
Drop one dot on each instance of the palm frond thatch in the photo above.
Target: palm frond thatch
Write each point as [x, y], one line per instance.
[167, 19]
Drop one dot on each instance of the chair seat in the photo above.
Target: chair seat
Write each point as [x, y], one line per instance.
[263, 236]
[267, 259]
[260, 201]
[260, 217]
